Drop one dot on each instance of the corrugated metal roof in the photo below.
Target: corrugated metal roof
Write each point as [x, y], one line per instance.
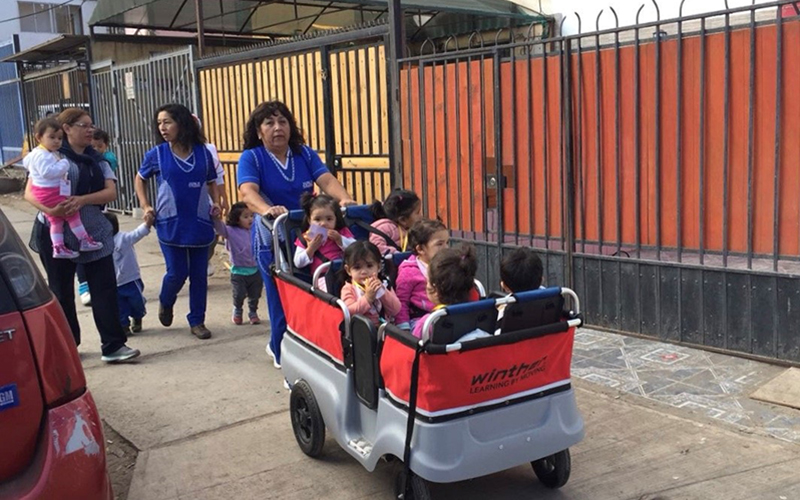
[286, 18]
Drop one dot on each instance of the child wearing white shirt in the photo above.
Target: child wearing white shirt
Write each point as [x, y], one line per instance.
[50, 186]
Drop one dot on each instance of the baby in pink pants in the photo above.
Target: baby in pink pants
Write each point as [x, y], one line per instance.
[47, 171]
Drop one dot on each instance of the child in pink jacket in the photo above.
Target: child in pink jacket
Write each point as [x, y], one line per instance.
[393, 219]
[365, 293]
[426, 238]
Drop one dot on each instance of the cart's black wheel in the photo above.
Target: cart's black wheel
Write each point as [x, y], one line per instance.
[553, 471]
[419, 489]
[307, 423]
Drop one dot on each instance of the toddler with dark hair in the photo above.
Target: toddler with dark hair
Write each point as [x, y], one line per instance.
[366, 293]
[394, 218]
[325, 235]
[245, 278]
[130, 288]
[521, 270]
[451, 280]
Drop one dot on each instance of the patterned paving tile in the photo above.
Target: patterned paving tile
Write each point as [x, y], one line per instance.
[711, 384]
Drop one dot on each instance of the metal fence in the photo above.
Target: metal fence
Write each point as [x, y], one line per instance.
[334, 83]
[126, 98]
[11, 127]
[653, 167]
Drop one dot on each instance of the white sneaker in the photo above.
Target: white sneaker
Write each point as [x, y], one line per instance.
[286, 385]
[124, 353]
[211, 269]
[272, 355]
[86, 299]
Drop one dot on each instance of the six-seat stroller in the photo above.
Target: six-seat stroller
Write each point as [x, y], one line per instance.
[450, 410]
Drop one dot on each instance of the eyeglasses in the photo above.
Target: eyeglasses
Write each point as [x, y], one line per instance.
[88, 126]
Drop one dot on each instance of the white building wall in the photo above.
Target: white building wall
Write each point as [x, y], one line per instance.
[9, 9]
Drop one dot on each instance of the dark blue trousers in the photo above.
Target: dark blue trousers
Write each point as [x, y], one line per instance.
[183, 263]
[262, 250]
[131, 302]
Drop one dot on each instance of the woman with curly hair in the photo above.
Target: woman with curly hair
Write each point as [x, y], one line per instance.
[275, 169]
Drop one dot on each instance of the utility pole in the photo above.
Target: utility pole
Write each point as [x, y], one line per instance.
[201, 38]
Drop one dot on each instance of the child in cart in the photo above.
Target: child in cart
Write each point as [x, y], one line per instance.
[245, 278]
[50, 186]
[426, 238]
[521, 270]
[325, 235]
[366, 293]
[451, 280]
[393, 219]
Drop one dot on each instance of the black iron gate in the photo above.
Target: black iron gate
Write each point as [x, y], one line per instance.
[336, 85]
[650, 166]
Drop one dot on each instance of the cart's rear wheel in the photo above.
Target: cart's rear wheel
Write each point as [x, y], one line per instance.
[307, 423]
[553, 471]
[419, 489]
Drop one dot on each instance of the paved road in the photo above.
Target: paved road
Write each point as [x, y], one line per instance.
[210, 420]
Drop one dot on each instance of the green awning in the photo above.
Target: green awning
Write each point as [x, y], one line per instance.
[286, 18]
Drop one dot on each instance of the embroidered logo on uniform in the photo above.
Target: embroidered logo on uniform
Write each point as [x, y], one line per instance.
[195, 184]
[308, 184]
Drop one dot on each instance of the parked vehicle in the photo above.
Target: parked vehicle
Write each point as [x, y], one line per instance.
[51, 435]
[449, 410]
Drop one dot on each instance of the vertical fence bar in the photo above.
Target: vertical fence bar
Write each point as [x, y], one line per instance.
[636, 140]
[435, 165]
[423, 146]
[545, 148]
[532, 150]
[459, 159]
[617, 138]
[498, 146]
[410, 128]
[471, 150]
[581, 167]
[750, 137]
[327, 106]
[514, 158]
[658, 140]
[446, 126]
[483, 144]
[702, 151]
[598, 147]
[568, 179]
[679, 141]
[726, 142]
[777, 152]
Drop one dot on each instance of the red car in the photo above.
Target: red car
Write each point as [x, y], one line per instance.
[51, 437]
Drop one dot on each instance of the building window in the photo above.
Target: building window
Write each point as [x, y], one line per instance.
[36, 17]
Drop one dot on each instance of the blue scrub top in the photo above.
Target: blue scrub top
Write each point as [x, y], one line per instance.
[183, 207]
[278, 185]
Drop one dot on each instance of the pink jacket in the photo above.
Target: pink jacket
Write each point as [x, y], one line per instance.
[411, 284]
[387, 306]
[330, 250]
[392, 230]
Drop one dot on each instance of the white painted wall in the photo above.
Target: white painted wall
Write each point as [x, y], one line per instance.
[626, 10]
[9, 10]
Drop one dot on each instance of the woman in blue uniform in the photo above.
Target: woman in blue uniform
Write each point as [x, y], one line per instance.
[274, 170]
[185, 176]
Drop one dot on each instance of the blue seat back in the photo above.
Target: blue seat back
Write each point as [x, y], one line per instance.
[464, 318]
[533, 309]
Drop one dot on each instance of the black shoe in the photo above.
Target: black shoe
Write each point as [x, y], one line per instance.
[165, 315]
[201, 332]
[136, 325]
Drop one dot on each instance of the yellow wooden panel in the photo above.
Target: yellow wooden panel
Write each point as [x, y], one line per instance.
[212, 127]
[303, 110]
[226, 103]
[374, 100]
[344, 89]
[311, 80]
[215, 83]
[364, 77]
[352, 92]
[384, 100]
[272, 92]
[321, 111]
[232, 157]
[337, 106]
[287, 81]
[356, 162]
[235, 99]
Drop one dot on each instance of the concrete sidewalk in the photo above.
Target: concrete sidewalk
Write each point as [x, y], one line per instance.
[210, 420]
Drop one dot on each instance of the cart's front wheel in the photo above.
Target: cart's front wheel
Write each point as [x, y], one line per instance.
[307, 423]
[553, 471]
[419, 489]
